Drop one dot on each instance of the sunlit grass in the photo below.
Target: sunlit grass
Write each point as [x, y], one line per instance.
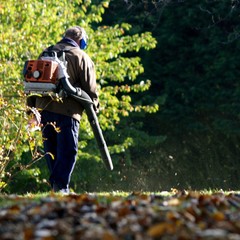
[11, 199]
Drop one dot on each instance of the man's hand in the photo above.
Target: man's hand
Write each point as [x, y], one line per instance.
[96, 105]
[96, 109]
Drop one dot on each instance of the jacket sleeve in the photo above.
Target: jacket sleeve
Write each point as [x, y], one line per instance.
[88, 79]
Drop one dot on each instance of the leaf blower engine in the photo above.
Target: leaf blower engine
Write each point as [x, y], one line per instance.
[48, 77]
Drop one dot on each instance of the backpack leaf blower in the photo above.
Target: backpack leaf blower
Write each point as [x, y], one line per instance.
[49, 75]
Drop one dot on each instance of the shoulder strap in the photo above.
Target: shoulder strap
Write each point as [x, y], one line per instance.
[52, 51]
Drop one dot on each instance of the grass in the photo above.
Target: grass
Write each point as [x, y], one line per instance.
[10, 199]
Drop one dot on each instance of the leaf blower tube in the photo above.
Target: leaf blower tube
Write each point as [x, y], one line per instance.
[82, 97]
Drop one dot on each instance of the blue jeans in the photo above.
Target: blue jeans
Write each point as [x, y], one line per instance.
[60, 139]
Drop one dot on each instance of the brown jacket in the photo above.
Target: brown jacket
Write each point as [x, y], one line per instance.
[82, 74]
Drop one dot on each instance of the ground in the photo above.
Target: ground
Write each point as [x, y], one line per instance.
[115, 216]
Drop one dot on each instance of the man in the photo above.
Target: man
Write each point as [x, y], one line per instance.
[61, 146]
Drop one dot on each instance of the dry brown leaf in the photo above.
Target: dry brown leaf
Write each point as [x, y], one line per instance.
[218, 216]
[160, 229]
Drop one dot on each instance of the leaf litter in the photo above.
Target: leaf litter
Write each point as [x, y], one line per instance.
[137, 216]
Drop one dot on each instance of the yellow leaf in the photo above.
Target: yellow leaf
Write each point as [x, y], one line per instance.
[218, 216]
[160, 229]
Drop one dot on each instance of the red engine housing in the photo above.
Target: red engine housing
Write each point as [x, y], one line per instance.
[45, 71]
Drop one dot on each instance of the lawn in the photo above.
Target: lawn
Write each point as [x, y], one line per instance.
[109, 216]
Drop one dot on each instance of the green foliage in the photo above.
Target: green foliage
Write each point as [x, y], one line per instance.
[195, 62]
[29, 27]
[201, 77]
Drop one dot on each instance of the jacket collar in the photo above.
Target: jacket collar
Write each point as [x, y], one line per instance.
[69, 41]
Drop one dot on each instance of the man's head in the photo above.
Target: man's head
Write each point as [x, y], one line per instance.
[78, 34]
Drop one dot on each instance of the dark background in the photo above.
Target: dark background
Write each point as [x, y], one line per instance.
[193, 140]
